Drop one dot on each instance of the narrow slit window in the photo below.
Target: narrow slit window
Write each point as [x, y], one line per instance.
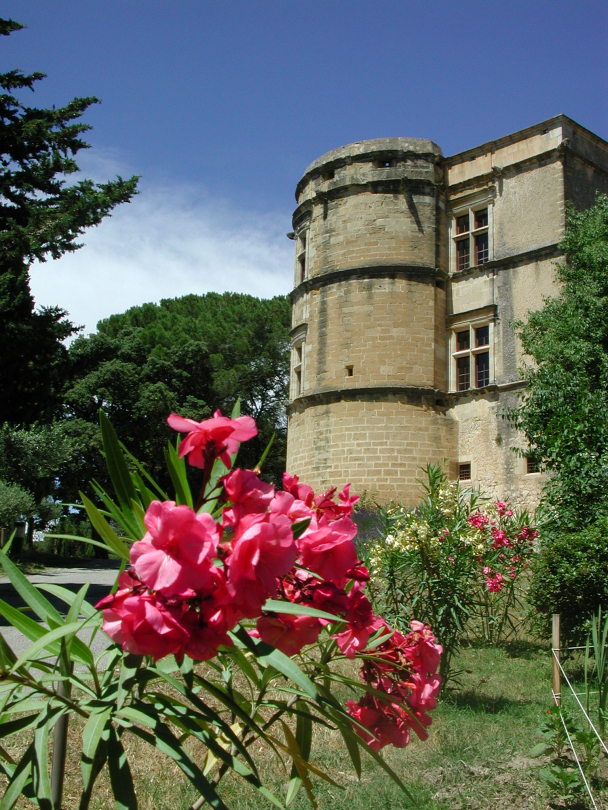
[349, 371]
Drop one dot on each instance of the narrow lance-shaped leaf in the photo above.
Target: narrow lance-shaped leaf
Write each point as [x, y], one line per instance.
[117, 466]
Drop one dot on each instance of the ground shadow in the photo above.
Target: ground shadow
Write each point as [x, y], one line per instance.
[478, 702]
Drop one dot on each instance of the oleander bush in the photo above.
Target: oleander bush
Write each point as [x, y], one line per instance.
[262, 585]
[455, 561]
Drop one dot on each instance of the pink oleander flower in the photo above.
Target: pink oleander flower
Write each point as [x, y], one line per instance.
[218, 437]
[487, 570]
[284, 503]
[386, 723]
[361, 624]
[207, 630]
[143, 623]
[477, 520]
[495, 583]
[176, 553]
[500, 538]
[301, 492]
[330, 551]
[328, 510]
[501, 507]
[289, 633]
[247, 493]
[261, 551]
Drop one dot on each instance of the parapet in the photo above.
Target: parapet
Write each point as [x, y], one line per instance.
[381, 153]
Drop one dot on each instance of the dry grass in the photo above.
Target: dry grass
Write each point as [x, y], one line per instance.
[476, 756]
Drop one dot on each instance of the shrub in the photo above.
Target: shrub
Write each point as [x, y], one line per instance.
[454, 562]
[570, 576]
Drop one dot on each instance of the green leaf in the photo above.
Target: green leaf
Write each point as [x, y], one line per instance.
[121, 778]
[113, 541]
[276, 606]
[45, 642]
[179, 478]
[22, 723]
[128, 673]
[266, 451]
[7, 656]
[304, 742]
[42, 783]
[160, 493]
[67, 596]
[117, 466]
[540, 750]
[94, 751]
[164, 741]
[30, 595]
[86, 540]
[20, 777]
[264, 652]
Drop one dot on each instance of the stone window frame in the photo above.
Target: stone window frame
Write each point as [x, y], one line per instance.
[471, 320]
[297, 379]
[302, 241]
[471, 205]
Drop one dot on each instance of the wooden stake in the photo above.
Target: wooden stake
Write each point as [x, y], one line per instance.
[555, 658]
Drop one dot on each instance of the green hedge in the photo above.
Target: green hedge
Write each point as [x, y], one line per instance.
[570, 576]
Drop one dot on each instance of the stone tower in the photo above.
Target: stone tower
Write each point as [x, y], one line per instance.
[369, 315]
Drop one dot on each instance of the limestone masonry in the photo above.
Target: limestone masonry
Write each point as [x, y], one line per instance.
[410, 268]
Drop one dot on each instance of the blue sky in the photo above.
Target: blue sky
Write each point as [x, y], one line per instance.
[221, 104]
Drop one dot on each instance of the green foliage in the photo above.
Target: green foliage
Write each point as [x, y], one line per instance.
[235, 707]
[564, 781]
[15, 502]
[441, 563]
[570, 577]
[41, 215]
[188, 355]
[435, 563]
[564, 411]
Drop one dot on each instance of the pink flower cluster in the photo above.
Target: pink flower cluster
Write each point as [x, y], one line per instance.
[508, 543]
[404, 670]
[193, 579]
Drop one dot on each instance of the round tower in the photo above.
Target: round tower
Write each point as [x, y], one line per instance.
[368, 344]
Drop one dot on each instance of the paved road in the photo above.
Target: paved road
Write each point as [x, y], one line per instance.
[99, 573]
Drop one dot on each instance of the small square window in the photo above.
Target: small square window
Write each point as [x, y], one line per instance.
[463, 341]
[463, 367]
[482, 369]
[532, 465]
[349, 371]
[462, 224]
[464, 471]
[482, 336]
[481, 218]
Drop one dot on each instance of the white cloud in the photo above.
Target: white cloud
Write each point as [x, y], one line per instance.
[168, 242]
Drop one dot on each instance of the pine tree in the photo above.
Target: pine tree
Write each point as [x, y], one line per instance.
[41, 215]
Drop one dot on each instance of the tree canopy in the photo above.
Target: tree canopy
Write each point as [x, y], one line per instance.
[189, 355]
[41, 215]
[564, 413]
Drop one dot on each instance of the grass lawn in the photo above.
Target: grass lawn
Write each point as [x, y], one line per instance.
[476, 757]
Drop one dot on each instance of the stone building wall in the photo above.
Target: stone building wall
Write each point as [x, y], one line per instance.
[378, 302]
